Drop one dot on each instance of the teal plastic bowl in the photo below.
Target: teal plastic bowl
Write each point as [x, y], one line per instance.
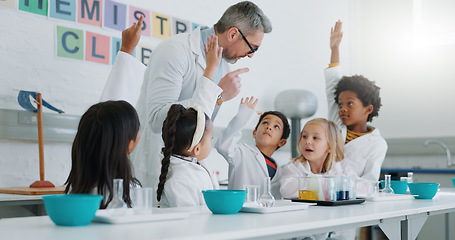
[453, 181]
[423, 190]
[72, 209]
[224, 201]
[399, 187]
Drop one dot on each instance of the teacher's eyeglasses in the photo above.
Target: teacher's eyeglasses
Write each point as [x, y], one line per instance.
[248, 43]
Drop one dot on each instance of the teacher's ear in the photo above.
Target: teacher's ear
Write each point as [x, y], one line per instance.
[231, 34]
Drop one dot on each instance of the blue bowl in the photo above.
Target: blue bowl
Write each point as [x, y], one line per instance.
[224, 201]
[453, 181]
[399, 187]
[423, 190]
[72, 209]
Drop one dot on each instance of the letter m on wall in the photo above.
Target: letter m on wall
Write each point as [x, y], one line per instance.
[90, 12]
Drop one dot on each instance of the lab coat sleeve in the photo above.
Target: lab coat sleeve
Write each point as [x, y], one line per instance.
[373, 165]
[290, 181]
[125, 79]
[181, 193]
[164, 81]
[227, 144]
[332, 77]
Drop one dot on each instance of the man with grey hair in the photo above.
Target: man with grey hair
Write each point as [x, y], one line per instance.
[174, 75]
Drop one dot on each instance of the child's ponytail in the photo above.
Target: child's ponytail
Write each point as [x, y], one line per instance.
[168, 135]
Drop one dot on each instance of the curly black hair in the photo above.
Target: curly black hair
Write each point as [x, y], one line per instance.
[365, 89]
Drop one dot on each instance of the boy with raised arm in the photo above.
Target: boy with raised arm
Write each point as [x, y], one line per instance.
[250, 165]
[354, 101]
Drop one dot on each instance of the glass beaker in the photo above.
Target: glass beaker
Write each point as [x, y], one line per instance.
[308, 188]
[267, 199]
[342, 187]
[142, 200]
[117, 207]
[328, 188]
[252, 195]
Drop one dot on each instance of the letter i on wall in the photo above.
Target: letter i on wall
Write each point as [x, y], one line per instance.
[114, 15]
[34, 6]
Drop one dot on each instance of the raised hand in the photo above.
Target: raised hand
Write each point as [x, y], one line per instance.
[213, 55]
[231, 84]
[131, 36]
[335, 39]
[335, 35]
[251, 103]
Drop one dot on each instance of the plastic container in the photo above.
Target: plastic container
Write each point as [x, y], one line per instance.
[423, 190]
[72, 209]
[224, 201]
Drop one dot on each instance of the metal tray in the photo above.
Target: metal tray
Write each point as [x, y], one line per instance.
[331, 203]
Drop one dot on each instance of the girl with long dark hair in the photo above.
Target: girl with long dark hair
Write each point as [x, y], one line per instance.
[107, 133]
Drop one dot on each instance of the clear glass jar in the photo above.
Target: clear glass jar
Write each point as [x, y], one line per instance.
[267, 199]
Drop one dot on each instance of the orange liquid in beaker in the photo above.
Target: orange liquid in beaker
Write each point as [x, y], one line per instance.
[308, 195]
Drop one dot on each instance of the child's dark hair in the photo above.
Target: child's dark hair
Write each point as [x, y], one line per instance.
[365, 89]
[284, 119]
[177, 133]
[100, 150]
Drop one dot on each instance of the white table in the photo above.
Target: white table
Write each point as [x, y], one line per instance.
[398, 219]
[33, 203]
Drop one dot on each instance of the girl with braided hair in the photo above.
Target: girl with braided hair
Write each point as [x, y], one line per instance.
[187, 135]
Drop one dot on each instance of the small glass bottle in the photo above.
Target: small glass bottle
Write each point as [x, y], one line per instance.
[267, 199]
[387, 188]
[117, 207]
[410, 175]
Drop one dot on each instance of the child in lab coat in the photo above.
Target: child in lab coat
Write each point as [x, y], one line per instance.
[107, 133]
[187, 135]
[320, 149]
[250, 165]
[354, 101]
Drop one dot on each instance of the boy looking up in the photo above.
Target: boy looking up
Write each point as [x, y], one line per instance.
[354, 101]
[250, 165]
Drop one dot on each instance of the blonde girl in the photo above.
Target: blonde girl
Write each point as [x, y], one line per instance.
[320, 148]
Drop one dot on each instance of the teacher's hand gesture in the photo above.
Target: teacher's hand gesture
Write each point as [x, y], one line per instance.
[231, 84]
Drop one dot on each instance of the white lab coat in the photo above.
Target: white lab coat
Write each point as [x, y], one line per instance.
[173, 75]
[364, 155]
[293, 170]
[185, 183]
[125, 79]
[246, 163]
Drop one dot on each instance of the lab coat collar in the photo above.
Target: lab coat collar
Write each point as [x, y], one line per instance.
[195, 45]
[259, 158]
[367, 137]
[186, 158]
